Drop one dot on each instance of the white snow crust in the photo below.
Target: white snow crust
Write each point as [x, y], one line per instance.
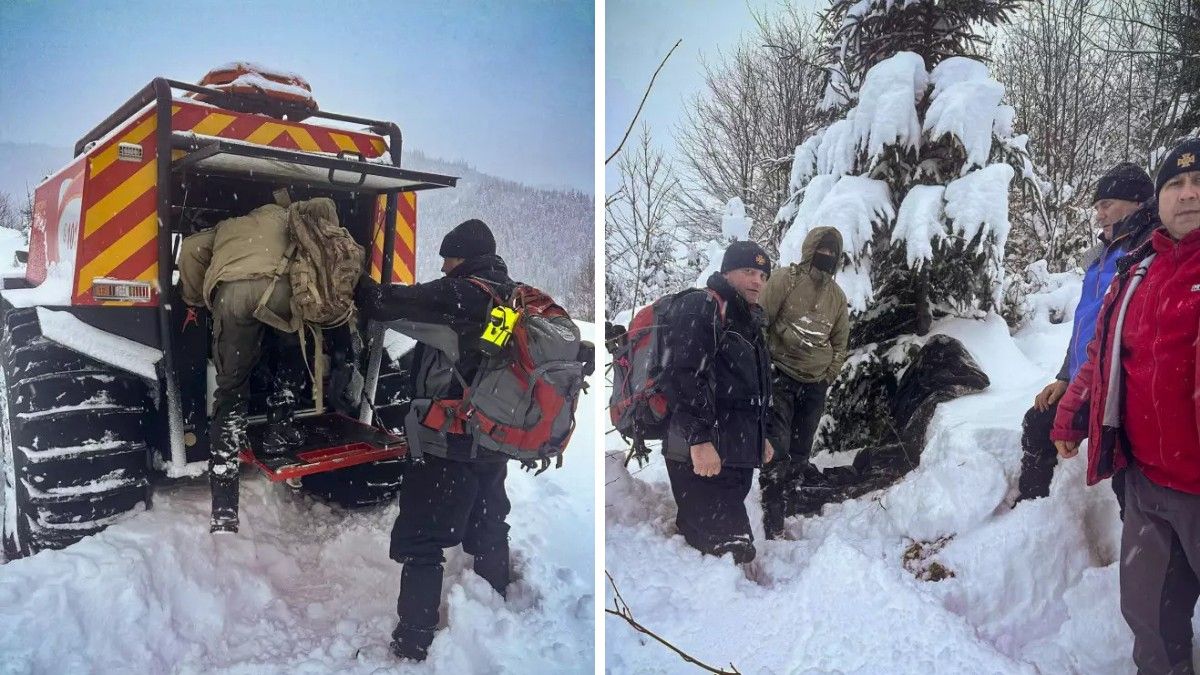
[119, 352]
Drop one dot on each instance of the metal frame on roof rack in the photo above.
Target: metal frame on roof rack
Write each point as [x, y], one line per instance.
[201, 148]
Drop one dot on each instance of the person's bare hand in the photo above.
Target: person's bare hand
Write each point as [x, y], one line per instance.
[1049, 395]
[705, 460]
[768, 451]
[1067, 449]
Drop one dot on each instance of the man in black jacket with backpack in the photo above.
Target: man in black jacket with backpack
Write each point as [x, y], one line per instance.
[453, 493]
[719, 386]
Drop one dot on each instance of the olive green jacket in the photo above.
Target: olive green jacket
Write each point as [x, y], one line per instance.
[247, 247]
[808, 323]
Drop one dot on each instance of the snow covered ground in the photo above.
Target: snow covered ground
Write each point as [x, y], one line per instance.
[1034, 589]
[304, 587]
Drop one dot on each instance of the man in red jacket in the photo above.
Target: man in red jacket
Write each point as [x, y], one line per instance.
[1136, 402]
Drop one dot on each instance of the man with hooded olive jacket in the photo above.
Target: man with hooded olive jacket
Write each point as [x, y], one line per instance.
[808, 327]
[231, 269]
[718, 383]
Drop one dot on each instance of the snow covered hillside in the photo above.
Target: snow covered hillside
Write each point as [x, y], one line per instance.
[304, 588]
[1030, 590]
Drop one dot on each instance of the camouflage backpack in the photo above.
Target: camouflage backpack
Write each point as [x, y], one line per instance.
[326, 263]
[323, 264]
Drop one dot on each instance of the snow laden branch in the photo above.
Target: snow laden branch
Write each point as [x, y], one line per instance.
[621, 609]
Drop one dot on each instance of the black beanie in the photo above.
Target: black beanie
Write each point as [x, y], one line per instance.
[745, 254]
[469, 239]
[1125, 181]
[1185, 157]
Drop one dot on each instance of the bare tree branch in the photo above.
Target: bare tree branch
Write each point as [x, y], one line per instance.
[621, 609]
[639, 108]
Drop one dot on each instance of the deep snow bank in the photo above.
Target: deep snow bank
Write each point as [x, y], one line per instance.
[1034, 588]
[304, 588]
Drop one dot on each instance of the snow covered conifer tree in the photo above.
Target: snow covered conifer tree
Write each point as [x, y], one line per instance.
[915, 174]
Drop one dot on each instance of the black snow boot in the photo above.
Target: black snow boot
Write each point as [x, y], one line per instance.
[411, 643]
[224, 504]
[494, 568]
[417, 606]
[773, 517]
[281, 434]
[228, 433]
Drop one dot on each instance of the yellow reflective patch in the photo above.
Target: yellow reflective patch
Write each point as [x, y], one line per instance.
[498, 330]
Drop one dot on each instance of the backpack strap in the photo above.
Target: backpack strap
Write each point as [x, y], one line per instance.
[721, 305]
[486, 287]
[264, 313]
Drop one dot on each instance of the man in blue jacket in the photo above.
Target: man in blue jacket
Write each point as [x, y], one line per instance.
[1125, 209]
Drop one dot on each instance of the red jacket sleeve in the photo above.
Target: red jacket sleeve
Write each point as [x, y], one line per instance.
[1069, 424]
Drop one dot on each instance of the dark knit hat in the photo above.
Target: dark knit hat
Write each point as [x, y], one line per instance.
[1125, 181]
[745, 254]
[1185, 157]
[469, 239]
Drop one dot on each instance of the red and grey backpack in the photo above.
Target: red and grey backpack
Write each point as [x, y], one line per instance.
[638, 406]
[523, 398]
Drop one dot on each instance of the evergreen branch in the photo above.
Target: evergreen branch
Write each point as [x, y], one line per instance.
[621, 609]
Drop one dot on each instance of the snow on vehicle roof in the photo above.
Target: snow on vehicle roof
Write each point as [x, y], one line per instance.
[119, 352]
[251, 66]
[259, 82]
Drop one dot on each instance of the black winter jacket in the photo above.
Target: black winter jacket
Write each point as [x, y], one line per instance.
[719, 379]
[456, 303]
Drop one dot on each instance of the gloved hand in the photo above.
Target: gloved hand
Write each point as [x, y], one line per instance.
[367, 294]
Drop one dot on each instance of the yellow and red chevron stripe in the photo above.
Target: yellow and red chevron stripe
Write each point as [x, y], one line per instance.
[118, 235]
[404, 261]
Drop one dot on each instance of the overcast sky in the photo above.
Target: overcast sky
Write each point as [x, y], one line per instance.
[638, 33]
[506, 86]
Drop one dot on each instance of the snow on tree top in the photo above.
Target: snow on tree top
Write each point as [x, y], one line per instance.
[734, 223]
[804, 161]
[887, 104]
[838, 148]
[966, 102]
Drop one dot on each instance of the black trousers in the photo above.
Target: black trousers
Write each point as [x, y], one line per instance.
[712, 510]
[796, 409]
[444, 503]
[1039, 457]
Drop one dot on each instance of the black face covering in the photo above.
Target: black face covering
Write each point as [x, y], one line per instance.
[825, 262]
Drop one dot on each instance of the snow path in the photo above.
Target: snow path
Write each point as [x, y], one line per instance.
[304, 588]
[1034, 588]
